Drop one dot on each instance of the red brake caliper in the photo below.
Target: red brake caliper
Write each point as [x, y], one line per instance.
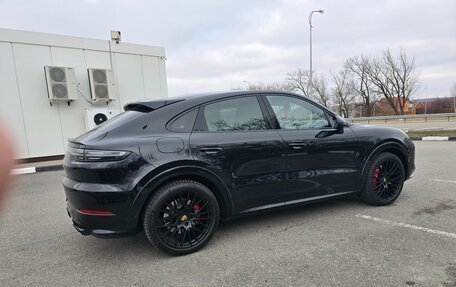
[196, 208]
[376, 173]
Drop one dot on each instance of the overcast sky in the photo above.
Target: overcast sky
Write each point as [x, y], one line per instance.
[217, 45]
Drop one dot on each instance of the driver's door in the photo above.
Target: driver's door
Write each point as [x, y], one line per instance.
[319, 162]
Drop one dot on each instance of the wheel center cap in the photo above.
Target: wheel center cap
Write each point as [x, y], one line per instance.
[184, 217]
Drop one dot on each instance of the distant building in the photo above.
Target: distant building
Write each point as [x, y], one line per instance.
[433, 105]
[383, 107]
[411, 107]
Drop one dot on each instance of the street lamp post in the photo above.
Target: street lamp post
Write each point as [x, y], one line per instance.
[453, 91]
[310, 24]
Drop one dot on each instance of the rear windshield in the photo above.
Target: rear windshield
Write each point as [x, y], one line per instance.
[119, 120]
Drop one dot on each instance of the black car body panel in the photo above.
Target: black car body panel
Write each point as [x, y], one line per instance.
[247, 170]
[379, 139]
[251, 163]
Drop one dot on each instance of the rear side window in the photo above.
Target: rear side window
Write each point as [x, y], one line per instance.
[119, 120]
[184, 123]
[233, 115]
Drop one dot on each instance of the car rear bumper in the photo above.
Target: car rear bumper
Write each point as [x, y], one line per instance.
[84, 200]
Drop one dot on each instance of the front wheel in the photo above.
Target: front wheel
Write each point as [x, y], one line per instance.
[181, 217]
[385, 179]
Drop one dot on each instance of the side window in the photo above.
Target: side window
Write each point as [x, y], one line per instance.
[293, 113]
[233, 115]
[184, 123]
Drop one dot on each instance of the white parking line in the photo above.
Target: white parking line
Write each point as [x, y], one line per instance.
[409, 226]
[25, 170]
[434, 138]
[443, 180]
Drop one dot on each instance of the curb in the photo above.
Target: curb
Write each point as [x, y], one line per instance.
[29, 170]
[433, 138]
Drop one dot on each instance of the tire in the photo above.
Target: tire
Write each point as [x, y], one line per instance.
[181, 217]
[384, 180]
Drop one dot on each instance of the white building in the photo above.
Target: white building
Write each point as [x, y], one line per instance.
[41, 129]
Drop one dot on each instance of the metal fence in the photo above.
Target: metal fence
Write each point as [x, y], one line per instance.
[404, 118]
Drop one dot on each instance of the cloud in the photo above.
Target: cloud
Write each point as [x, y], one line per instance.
[217, 45]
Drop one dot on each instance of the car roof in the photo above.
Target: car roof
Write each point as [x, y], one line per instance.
[202, 97]
[196, 99]
[216, 95]
[191, 100]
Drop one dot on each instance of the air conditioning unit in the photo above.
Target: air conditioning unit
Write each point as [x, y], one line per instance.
[102, 85]
[96, 116]
[61, 84]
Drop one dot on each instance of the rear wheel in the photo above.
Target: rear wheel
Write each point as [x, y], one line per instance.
[385, 179]
[181, 217]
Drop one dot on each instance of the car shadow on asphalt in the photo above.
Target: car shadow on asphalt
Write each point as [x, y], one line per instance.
[138, 246]
[280, 214]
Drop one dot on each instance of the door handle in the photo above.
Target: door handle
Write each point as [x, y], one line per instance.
[297, 145]
[211, 150]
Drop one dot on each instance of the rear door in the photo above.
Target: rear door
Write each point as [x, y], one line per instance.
[233, 139]
[316, 165]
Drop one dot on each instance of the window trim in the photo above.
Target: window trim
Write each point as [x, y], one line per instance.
[275, 121]
[199, 118]
[173, 119]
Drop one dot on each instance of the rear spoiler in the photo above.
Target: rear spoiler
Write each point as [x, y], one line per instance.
[148, 105]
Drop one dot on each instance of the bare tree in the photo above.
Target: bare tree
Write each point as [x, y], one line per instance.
[320, 90]
[343, 92]
[299, 80]
[358, 67]
[270, 87]
[267, 87]
[395, 78]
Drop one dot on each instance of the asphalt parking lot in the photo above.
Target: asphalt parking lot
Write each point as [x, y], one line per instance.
[336, 243]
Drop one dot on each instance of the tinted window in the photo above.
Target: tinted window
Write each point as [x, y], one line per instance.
[184, 123]
[233, 115]
[294, 113]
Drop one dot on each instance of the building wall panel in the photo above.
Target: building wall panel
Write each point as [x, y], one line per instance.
[42, 123]
[10, 106]
[129, 77]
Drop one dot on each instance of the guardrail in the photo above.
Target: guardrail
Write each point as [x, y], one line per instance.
[404, 118]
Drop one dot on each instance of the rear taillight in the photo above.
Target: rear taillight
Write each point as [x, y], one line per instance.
[92, 155]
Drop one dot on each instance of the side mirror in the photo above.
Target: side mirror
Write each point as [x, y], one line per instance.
[338, 125]
[338, 128]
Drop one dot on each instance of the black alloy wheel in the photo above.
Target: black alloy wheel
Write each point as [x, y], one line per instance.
[181, 217]
[385, 179]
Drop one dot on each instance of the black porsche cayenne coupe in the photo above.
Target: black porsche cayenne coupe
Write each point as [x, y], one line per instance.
[176, 167]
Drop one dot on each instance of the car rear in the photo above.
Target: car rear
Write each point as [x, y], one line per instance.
[102, 171]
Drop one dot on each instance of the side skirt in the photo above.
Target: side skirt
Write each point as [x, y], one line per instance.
[297, 201]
